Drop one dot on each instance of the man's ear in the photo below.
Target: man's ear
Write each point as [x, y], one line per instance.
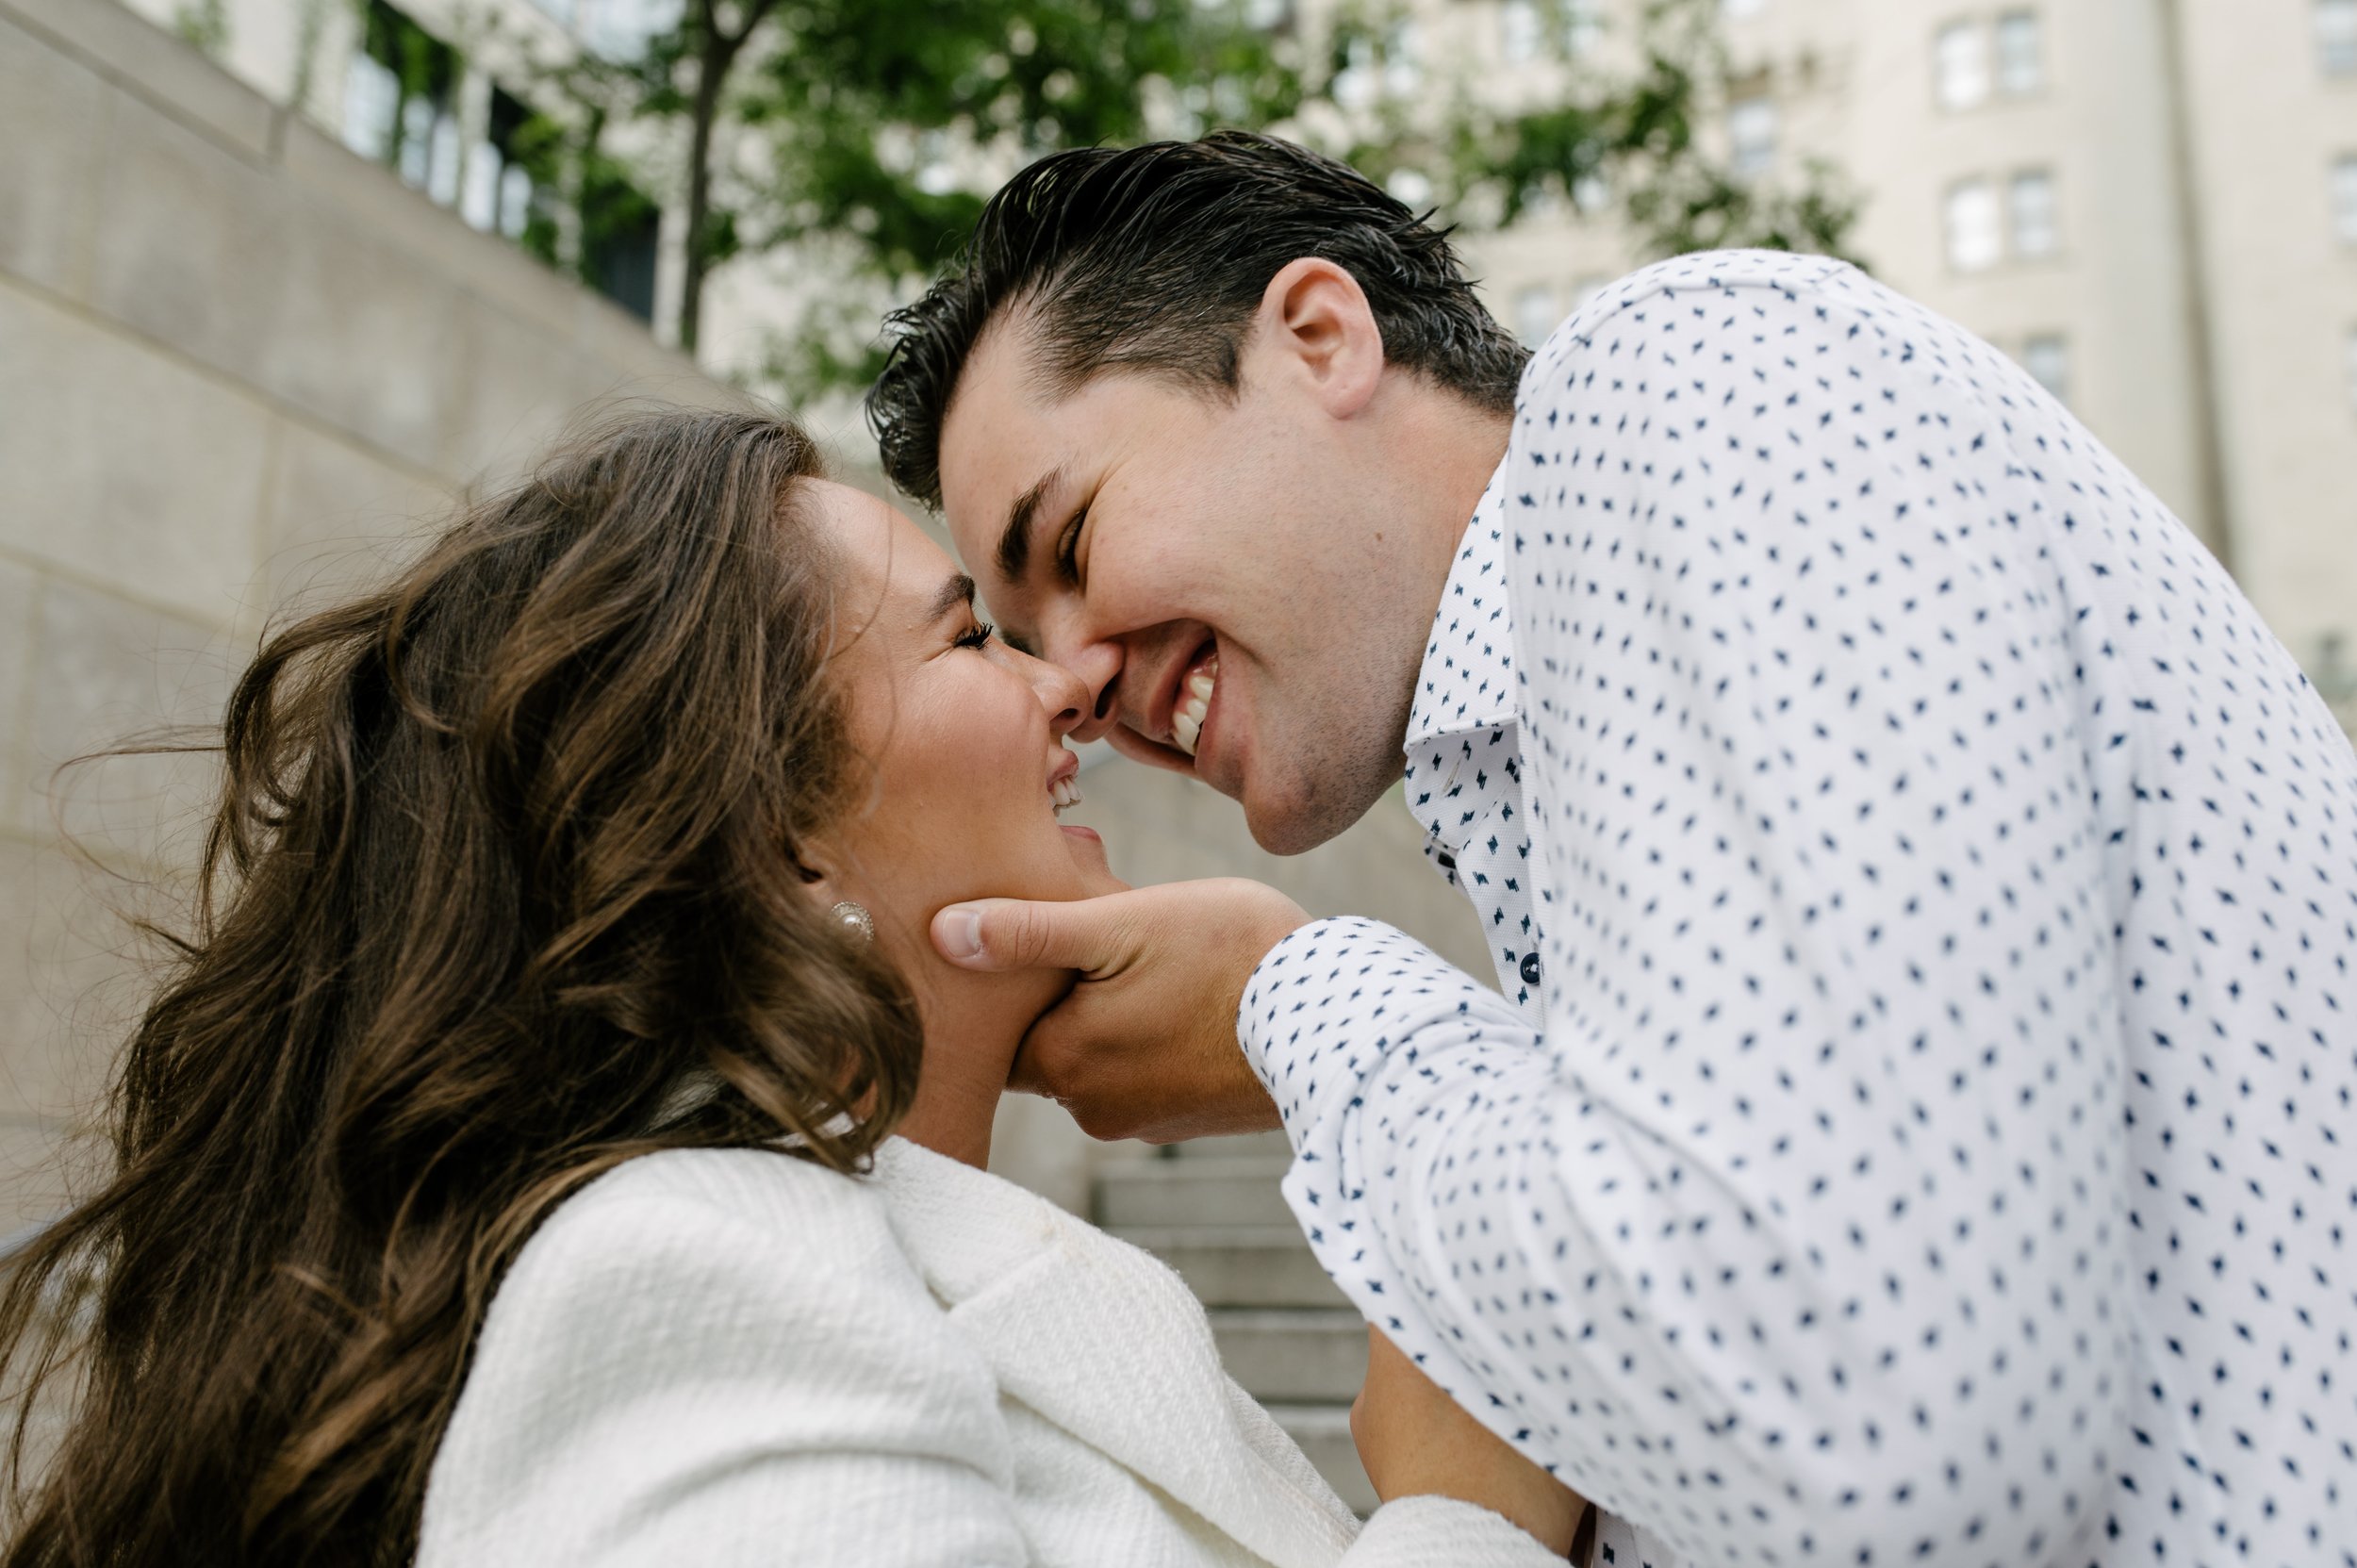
[1315, 324]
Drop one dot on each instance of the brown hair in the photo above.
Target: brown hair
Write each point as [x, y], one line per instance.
[506, 851]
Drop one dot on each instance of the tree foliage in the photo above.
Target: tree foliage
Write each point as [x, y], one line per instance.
[868, 133]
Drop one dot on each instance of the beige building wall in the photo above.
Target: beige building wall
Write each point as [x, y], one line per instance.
[2199, 287]
[235, 362]
[2269, 127]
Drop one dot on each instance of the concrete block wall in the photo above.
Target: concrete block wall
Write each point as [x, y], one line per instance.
[237, 364]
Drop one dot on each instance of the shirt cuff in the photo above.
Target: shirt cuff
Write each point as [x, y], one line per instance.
[1326, 1004]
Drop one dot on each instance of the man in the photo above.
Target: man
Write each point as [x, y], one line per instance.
[1915, 1123]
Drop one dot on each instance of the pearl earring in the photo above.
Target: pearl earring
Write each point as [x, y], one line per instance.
[855, 920]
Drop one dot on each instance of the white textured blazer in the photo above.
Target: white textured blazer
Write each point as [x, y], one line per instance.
[730, 1357]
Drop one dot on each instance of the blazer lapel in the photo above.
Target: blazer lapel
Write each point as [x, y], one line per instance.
[1106, 1342]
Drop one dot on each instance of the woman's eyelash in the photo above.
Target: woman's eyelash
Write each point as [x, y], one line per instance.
[983, 632]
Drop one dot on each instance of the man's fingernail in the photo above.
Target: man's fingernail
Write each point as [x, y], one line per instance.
[959, 933]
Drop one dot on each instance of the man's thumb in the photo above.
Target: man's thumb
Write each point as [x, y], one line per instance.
[1013, 933]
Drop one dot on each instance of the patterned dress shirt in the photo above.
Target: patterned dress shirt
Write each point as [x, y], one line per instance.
[1916, 1126]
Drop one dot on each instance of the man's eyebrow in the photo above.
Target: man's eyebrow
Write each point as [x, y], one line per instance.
[1014, 544]
[957, 591]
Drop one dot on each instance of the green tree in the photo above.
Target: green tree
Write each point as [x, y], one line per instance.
[870, 132]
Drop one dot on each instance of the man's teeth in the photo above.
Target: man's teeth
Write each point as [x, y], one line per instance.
[1186, 720]
[1065, 792]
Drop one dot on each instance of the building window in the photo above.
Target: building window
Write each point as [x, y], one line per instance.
[501, 196]
[2047, 357]
[2021, 55]
[2345, 199]
[1410, 188]
[1403, 60]
[1976, 237]
[1522, 32]
[2036, 230]
[1752, 136]
[621, 237]
[1735, 10]
[622, 29]
[399, 91]
[2336, 35]
[1961, 59]
[1534, 315]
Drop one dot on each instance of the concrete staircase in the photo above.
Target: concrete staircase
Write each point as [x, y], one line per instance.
[1212, 1210]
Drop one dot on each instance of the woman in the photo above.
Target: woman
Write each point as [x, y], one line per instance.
[556, 1142]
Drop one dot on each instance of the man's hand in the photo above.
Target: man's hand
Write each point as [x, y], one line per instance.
[1416, 1441]
[1145, 1045]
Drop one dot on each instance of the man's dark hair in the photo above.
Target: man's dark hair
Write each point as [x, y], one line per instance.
[1155, 258]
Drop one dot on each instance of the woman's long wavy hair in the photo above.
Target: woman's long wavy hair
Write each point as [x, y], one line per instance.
[506, 851]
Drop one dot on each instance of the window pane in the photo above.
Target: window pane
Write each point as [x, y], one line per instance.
[2021, 55]
[516, 199]
[621, 29]
[1410, 187]
[2035, 229]
[1521, 31]
[1583, 26]
[1963, 60]
[1403, 60]
[2047, 360]
[2336, 35]
[1975, 228]
[372, 99]
[1534, 315]
[2345, 199]
[1752, 136]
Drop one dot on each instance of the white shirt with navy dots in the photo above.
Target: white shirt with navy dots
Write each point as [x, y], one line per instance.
[1917, 1125]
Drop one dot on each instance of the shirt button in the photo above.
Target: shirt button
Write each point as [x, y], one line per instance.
[1530, 968]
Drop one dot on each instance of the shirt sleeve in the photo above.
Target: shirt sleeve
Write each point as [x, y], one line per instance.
[1794, 1232]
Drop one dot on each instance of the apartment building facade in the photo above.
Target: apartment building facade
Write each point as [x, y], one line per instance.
[2151, 203]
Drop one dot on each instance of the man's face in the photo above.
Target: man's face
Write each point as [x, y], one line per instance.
[1215, 569]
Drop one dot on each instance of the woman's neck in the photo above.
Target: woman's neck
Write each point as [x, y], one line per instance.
[974, 1025]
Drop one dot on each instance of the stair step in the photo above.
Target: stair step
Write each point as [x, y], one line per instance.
[1293, 1357]
[1324, 1433]
[1204, 1191]
[1234, 1265]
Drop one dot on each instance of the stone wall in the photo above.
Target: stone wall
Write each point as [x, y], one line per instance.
[236, 362]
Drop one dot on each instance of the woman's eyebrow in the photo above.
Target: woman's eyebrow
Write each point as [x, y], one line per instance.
[958, 592]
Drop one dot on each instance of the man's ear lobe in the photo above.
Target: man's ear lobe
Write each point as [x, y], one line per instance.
[1314, 314]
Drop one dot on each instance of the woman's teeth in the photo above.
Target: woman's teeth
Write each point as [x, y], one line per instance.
[1186, 720]
[1065, 792]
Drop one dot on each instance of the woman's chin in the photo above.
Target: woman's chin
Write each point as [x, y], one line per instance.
[1088, 855]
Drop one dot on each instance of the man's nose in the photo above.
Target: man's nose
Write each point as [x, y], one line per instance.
[1097, 667]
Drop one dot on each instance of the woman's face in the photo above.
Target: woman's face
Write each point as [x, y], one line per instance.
[960, 740]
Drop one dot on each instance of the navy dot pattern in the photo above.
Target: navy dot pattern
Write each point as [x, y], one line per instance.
[1928, 1140]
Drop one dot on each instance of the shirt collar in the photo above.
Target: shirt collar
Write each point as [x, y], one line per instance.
[1467, 680]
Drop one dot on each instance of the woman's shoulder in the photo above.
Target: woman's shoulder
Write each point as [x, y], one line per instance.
[757, 1217]
[695, 1314]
